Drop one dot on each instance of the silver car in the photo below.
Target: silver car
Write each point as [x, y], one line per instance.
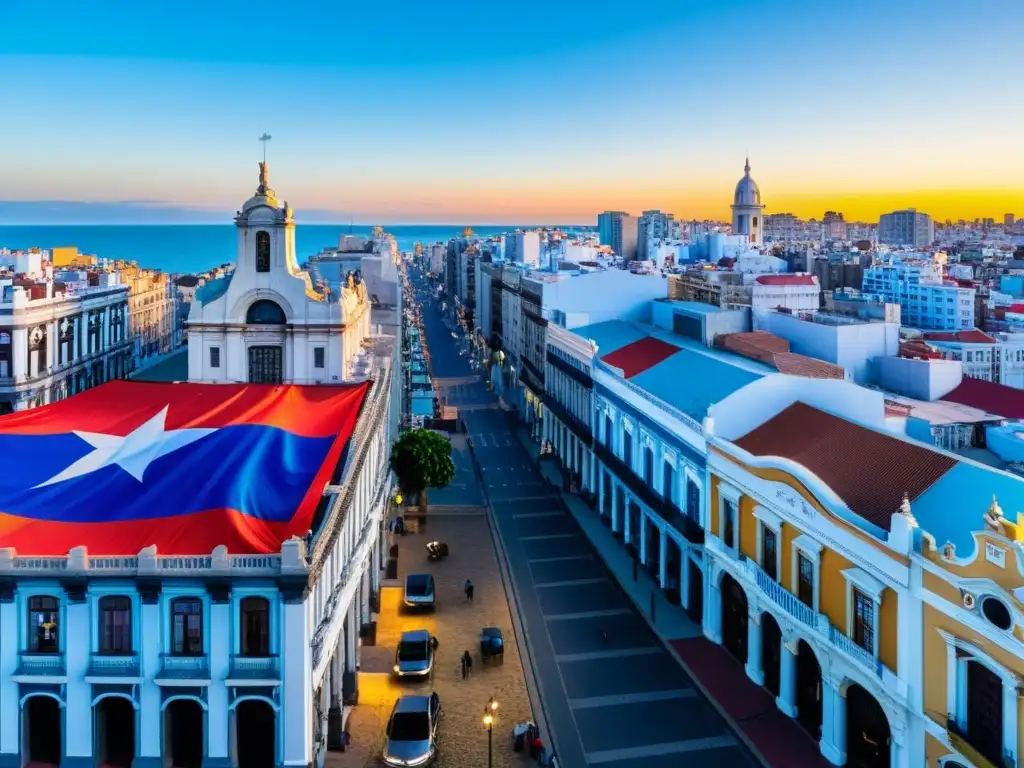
[412, 731]
[414, 656]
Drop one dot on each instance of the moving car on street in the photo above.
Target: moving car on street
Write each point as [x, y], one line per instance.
[414, 656]
[419, 590]
[412, 731]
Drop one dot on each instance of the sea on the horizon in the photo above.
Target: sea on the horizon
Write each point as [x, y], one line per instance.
[189, 248]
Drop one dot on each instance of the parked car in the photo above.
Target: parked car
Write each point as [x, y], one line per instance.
[411, 736]
[414, 656]
[419, 590]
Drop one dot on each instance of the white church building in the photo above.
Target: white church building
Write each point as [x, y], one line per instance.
[747, 209]
[220, 658]
[268, 323]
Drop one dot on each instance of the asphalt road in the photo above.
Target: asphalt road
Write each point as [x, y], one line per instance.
[612, 694]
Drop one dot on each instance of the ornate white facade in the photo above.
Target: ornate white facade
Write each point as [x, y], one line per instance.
[268, 322]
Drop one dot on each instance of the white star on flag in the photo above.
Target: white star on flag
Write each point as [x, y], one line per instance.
[133, 453]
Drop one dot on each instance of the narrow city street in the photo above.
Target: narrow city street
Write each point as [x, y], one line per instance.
[612, 693]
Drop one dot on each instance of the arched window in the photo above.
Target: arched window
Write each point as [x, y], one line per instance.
[255, 626]
[115, 624]
[43, 616]
[262, 251]
[265, 312]
[187, 626]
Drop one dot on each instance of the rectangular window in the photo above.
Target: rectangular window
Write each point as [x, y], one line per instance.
[769, 552]
[729, 524]
[186, 627]
[805, 580]
[43, 617]
[318, 357]
[215, 357]
[115, 625]
[627, 449]
[649, 466]
[863, 621]
[668, 481]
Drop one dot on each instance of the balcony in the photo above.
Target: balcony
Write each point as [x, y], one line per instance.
[41, 665]
[686, 525]
[183, 670]
[114, 665]
[257, 669]
[819, 624]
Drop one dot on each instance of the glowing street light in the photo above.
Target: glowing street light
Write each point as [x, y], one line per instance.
[490, 715]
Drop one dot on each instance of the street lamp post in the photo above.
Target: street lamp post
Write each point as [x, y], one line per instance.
[490, 716]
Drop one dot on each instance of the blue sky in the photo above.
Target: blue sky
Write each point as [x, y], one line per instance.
[518, 111]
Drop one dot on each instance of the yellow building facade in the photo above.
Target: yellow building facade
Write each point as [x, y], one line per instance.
[868, 581]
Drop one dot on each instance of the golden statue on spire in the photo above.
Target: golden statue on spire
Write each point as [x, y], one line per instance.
[264, 171]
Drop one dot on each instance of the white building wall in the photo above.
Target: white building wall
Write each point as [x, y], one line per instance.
[595, 297]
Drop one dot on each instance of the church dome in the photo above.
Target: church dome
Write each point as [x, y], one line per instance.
[747, 192]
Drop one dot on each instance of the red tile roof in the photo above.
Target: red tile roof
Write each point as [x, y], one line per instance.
[637, 357]
[990, 397]
[868, 470]
[965, 337]
[786, 280]
[774, 351]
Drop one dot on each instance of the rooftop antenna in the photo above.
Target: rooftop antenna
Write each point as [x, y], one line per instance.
[264, 139]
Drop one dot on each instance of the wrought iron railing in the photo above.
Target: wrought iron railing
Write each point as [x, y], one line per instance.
[114, 665]
[41, 664]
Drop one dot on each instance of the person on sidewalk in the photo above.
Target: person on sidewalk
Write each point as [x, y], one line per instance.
[468, 589]
[467, 664]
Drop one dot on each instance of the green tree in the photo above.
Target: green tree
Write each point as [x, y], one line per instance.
[422, 459]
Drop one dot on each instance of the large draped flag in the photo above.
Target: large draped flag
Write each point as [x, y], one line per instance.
[183, 467]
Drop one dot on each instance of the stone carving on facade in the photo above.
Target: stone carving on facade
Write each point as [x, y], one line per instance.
[994, 517]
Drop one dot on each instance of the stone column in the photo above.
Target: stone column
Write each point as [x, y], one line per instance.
[684, 577]
[642, 545]
[616, 526]
[662, 558]
[754, 670]
[787, 683]
[218, 754]
[296, 689]
[600, 494]
[833, 724]
[1011, 703]
[150, 747]
[78, 715]
[10, 746]
[712, 624]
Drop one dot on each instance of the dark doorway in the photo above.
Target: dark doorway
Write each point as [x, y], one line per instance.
[184, 733]
[985, 711]
[42, 734]
[256, 734]
[734, 618]
[695, 593]
[633, 521]
[265, 365]
[673, 570]
[653, 549]
[771, 652]
[867, 730]
[115, 732]
[808, 690]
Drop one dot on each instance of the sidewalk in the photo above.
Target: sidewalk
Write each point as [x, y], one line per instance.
[777, 740]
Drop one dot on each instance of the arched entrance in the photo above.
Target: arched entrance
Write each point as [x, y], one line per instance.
[771, 652]
[734, 618]
[41, 730]
[114, 734]
[867, 730]
[653, 549]
[695, 598]
[256, 734]
[184, 733]
[808, 689]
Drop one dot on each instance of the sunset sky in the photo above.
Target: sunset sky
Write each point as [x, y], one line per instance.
[525, 111]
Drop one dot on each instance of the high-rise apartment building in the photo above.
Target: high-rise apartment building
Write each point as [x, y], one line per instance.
[652, 226]
[908, 227]
[523, 247]
[620, 231]
[833, 227]
[926, 301]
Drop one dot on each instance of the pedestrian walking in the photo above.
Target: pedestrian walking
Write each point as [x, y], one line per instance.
[467, 664]
[468, 589]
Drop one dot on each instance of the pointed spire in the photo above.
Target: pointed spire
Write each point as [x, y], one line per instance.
[746, 166]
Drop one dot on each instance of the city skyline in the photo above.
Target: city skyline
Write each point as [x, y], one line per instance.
[433, 118]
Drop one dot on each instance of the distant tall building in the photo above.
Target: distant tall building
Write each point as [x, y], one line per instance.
[523, 247]
[747, 210]
[1009, 220]
[619, 230]
[652, 225]
[833, 227]
[906, 228]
